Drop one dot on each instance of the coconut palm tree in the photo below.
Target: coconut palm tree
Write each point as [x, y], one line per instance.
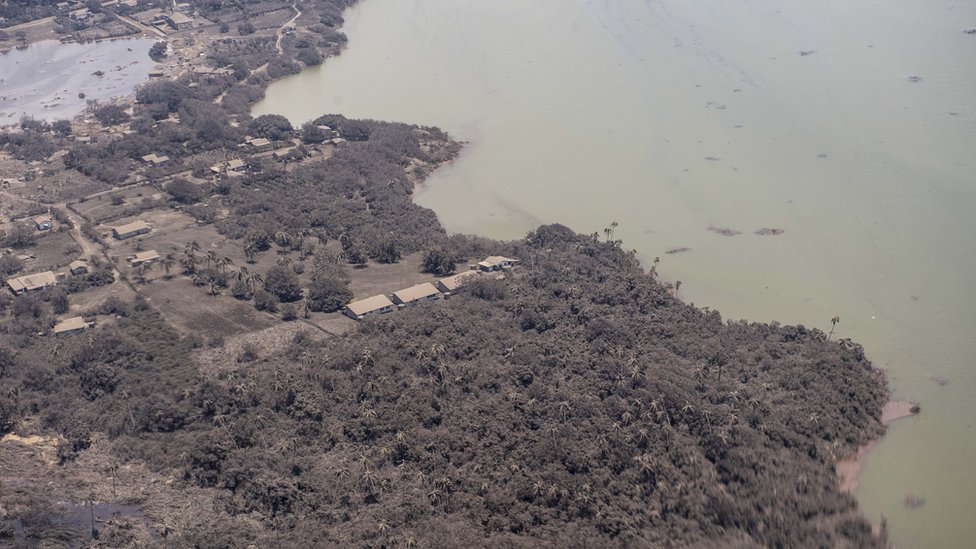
[253, 280]
[211, 259]
[242, 275]
[142, 270]
[223, 263]
[189, 262]
[283, 238]
[833, 324]
[192, 247]
[168, 262]
[250, 250]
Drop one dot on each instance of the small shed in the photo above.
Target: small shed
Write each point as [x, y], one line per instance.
[496, 263]
[44, 222]
[129, 230]
[450, 284]
[259, 144]
[70, 325]
[416, 294]
[78, 266]
[154, 159]
[378, 304]
[147, 256]
[80, 15]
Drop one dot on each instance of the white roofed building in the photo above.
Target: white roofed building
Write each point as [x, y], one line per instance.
[450, 284]
[416, 294]
[496, 263]
[378, 304]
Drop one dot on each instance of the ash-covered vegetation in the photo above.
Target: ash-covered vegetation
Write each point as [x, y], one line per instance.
[574, 402]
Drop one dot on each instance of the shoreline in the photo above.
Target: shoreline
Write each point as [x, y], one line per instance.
[849, 468]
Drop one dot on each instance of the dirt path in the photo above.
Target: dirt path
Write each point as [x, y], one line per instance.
[87, 246]
[27, 25]
[90, 248]
[280, 31]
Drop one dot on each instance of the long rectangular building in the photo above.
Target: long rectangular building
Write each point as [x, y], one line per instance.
[450, 284]
[416, 294]
[378, 304]
[130, 229]
[32, 282]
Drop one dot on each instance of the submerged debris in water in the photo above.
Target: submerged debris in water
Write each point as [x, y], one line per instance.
[805, 53]
[724, 231]
[914, 78]
[769, 231]
[913, 501]
[677, 250]
[939, 380]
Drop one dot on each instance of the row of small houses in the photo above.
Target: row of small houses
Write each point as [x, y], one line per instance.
[380, 304]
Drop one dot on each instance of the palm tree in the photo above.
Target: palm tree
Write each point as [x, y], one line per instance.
[189, 262]
[253, 280]
[243, 275]
[250, 250]
[192, 247]
[223, 263]
[211, 259]
[833, 324]
[167, 263]
[143, 270]
[677, 286]
[283, 238]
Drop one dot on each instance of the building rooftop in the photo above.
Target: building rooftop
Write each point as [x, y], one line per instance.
[496, 259]
[452, 283]
[32, 281]
[178, 18]
[77, 264]
[154, 159]
[135, 226]
[369, 304]
[413, 293]
[70, 325]
[147, 255]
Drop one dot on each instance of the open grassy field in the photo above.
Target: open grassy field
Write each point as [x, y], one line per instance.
[52, 251]
[191, 310]
[381, 278]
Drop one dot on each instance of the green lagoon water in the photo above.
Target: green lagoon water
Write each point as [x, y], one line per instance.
[671, 117]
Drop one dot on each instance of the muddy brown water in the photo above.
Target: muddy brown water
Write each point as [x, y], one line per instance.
[671, 117]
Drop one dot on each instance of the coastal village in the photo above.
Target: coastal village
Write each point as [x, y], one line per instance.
[129, 235]
[223, 329]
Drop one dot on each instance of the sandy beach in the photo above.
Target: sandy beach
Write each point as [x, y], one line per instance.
[849, 467]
